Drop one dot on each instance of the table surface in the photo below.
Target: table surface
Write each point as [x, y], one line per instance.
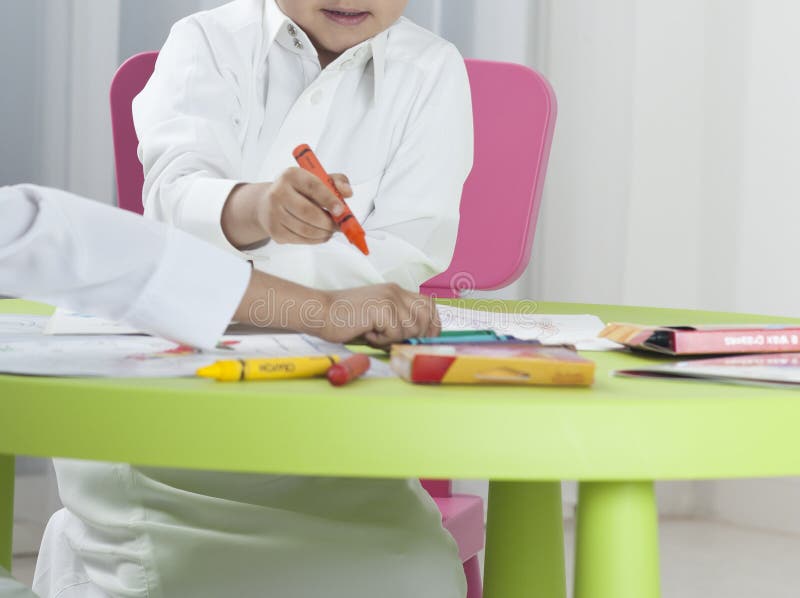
[619, 429]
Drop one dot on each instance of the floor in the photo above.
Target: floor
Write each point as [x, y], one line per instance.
[699, 559]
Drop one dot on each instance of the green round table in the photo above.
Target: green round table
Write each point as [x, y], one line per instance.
[615, 438]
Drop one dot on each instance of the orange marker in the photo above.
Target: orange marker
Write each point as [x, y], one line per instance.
[346, 221]
[348, 369]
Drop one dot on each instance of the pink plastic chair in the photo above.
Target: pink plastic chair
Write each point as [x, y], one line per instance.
[128, 81]
[514, 111]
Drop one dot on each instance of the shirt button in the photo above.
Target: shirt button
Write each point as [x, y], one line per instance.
[291, 29]
[298, 44]
[316, 97]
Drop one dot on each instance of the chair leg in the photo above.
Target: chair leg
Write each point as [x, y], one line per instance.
[472, 571]
[6, 509]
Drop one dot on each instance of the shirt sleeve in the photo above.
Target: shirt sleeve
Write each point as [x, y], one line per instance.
[64, 250]
[411, 233]
[187, 120]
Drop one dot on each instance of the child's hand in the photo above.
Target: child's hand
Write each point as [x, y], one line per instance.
[383, 314]
[296, 208]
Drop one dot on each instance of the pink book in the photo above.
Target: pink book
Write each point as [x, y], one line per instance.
[705, 340]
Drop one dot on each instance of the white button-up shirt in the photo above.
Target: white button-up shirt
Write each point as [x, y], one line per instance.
[69, 251]
[236, 89]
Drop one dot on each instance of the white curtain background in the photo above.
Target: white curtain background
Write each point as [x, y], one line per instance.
[673, 177]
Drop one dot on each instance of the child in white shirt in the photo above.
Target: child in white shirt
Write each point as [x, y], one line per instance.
[378, 98]
[234, 91]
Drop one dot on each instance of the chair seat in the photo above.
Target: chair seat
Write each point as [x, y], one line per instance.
[462, 516]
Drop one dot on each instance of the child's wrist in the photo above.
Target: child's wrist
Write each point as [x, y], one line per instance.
[240, 215]
[257, 198]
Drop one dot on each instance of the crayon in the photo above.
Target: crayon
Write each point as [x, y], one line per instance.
[347, 222]
[478, 336]
[348, 369]
[276, 368]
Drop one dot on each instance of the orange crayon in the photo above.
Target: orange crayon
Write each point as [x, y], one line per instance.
[347, 222]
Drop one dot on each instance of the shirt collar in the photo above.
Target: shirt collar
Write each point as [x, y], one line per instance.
[278, 28]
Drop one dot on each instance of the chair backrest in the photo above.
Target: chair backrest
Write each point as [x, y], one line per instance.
[129, 80]
[514, 111]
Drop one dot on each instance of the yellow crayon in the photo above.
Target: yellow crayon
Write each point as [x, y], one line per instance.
[277, 368]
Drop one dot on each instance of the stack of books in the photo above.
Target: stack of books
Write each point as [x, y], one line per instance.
[757, 354]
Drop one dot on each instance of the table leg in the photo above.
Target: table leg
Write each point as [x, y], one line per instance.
[616, 544]
[524, 541]
[6, 509]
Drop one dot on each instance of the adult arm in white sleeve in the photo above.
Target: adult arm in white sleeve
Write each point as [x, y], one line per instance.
[64, 250]
[412, 230]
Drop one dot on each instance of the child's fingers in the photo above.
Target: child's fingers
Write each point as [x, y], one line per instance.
[295, 219]
[373, 340]
[423, 317]
[433, 326]
[342, 184]
[435, 329]
[294, 231]
[285, 234]
[307, 213]
[315, 190]
[378, 339]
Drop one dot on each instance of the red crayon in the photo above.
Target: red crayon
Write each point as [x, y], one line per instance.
[347, 222]
[349, 369]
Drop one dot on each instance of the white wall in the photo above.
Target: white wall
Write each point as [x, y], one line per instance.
[673, 179]
[769, 213]
[764, 158]
[673, 174]
[19, 36]
[145, 23]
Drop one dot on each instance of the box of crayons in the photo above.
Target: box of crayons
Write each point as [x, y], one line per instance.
[509, 362]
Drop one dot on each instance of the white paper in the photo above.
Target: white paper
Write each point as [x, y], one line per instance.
[124, 356]
[21, 324]
[579, 330]
[767, 369]
[553, 329]
[64, 321]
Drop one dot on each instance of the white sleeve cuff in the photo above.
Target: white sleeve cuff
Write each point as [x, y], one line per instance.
[193, 294]
[19, 214]
[201, 212]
